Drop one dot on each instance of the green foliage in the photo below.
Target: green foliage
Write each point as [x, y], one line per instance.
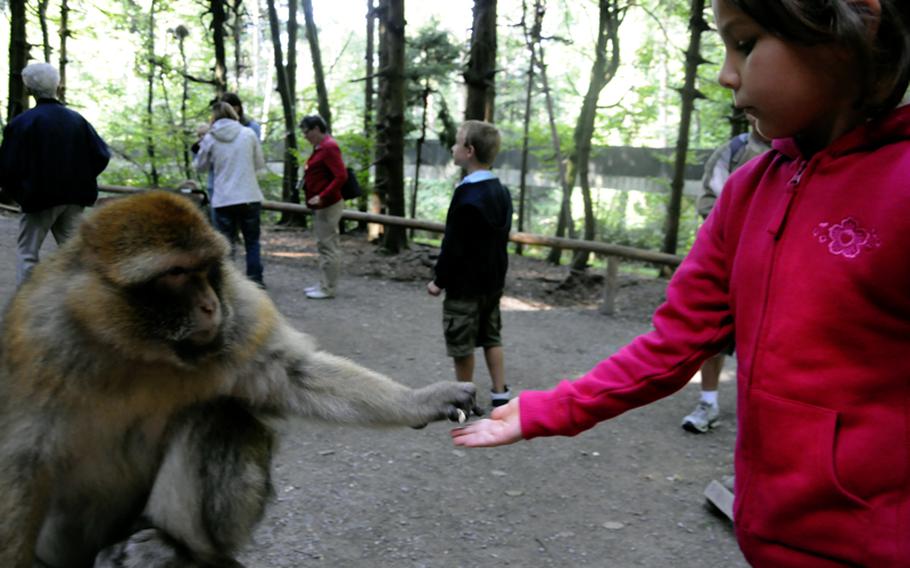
[432, 58]
[357, 150]
[129, 140]
[109, 60]
[431, 55]
[435, 196]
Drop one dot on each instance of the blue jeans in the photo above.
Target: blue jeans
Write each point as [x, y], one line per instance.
[245, 217]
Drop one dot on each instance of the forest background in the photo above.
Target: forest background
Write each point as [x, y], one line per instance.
[564, 80]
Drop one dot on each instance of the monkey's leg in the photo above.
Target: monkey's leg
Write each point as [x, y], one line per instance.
[210, 492]
[149, 547]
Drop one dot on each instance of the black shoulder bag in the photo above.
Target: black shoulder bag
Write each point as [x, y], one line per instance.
[351, 188]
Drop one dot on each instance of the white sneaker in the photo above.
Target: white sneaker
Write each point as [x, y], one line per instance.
[702, 419]
[311, 288]
[318, 294]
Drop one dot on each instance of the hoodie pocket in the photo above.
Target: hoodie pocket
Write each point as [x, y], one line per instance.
[792, 495]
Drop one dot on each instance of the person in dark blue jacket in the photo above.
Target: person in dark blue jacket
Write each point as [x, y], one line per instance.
[473, 260]
[50, 159]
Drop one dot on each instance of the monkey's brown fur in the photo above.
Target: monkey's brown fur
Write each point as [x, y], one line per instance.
[135, 367]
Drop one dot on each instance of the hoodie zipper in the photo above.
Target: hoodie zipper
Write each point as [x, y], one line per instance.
[779, 219]
[776, 229]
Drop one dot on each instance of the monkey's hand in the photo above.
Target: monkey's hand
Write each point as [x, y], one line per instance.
[446, 400]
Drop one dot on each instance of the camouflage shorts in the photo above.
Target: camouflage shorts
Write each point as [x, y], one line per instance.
[471, 322]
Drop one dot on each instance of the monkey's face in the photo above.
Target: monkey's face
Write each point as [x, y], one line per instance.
[183, 307]
[160, 274]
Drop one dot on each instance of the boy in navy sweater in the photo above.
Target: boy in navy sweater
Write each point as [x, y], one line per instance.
[473, 260]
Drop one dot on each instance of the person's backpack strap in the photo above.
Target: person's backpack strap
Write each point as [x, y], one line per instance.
[736, 144]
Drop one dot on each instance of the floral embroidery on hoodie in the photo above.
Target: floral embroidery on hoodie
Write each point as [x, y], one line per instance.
[846, 238]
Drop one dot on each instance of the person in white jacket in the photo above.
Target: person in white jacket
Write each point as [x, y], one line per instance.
[234, 154]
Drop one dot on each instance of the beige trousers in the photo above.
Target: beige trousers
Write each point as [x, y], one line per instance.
[62, 221]
[328, 243]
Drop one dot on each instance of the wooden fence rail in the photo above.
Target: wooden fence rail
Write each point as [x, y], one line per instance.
[613, 253]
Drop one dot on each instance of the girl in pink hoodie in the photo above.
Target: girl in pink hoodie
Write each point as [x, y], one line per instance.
[804, 260]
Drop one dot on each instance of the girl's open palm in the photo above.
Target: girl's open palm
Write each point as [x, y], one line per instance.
[503, 427]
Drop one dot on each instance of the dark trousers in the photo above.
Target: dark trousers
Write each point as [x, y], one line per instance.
[245, 217]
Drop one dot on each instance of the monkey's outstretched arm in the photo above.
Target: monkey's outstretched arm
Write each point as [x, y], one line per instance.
[298, 379]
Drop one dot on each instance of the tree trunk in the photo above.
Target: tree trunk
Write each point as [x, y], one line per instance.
[18, 58]
[218, 21]
[697, 25]
[390, 123]
[602, 72]
[150, 149]
[42, 22]
[368, 98]
[378, 202]
[289, 191]
[291, 162]
[425, 103]
[262, 85]
[290, 69]
[312, 36]
[181, 32]
[368, 84]
[237, 36]
[64, 34]
[481, 72]
[532, 36]
[564, 222]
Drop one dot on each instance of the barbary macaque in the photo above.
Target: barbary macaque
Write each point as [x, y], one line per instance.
[137, 366]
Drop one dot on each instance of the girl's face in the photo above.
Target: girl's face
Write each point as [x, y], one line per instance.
[789, 89]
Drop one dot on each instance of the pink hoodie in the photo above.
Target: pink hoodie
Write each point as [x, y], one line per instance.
[806, 262]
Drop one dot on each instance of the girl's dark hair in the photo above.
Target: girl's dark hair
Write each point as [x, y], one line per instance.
[884, 58]
[233, 100]
[314, 121]
[221, 110]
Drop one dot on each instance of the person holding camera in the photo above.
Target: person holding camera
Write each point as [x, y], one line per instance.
[323, 176]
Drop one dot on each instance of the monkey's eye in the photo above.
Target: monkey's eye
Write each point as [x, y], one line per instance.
[175, 277]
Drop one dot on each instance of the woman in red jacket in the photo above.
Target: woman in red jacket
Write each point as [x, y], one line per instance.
[323, 177]
[804, 259]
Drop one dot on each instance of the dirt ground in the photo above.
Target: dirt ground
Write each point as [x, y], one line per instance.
[626, 493]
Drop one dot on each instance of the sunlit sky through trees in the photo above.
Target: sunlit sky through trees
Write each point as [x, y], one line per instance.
[106, 63]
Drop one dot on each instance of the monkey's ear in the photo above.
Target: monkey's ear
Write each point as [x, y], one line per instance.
[130, 240]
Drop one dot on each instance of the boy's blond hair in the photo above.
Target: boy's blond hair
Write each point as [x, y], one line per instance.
[485, 139]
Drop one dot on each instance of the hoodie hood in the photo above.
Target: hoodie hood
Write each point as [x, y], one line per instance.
[225, 129]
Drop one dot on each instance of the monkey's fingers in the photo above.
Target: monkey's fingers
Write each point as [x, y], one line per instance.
[461, 416]
[456, 414]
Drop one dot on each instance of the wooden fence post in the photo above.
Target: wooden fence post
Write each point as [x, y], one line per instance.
[611, 286]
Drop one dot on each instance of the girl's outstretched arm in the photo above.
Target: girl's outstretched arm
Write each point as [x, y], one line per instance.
[503, 427]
